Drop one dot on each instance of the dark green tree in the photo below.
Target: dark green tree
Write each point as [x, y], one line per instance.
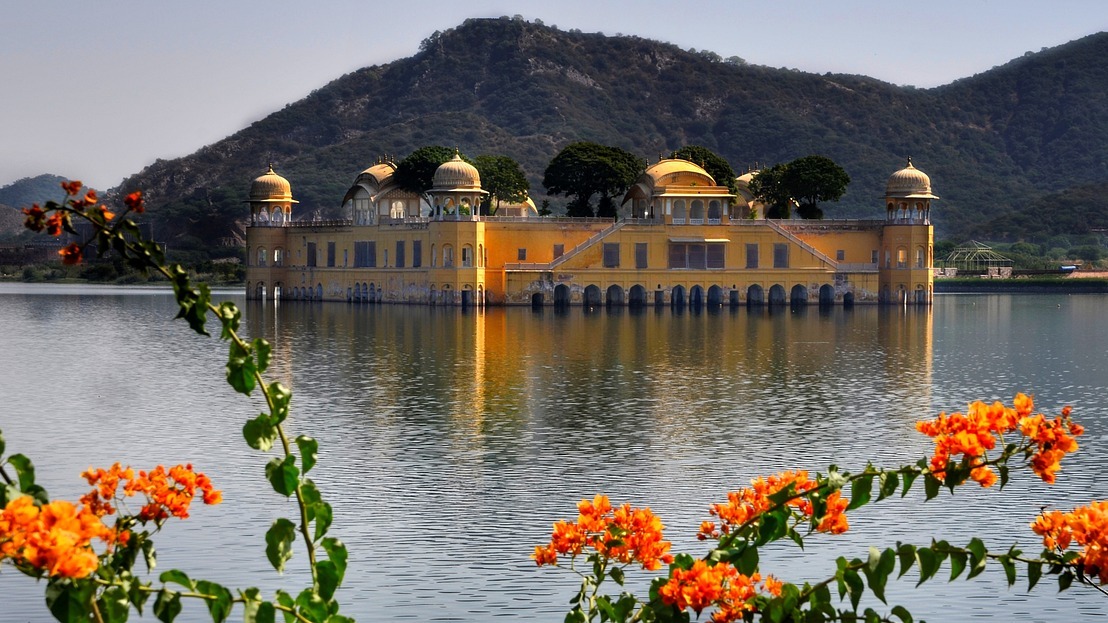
[416, 172]
[812, 179]
[584, 169]
[713, 163]
[767, 186]
[505, 180]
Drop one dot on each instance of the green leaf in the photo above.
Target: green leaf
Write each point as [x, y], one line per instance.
[957, 564]
[240, 369]
[780, 496]
[617, 575]
[309, 450]
[328, 579]
[1065, 580]
[909, 478]
[1009, 568]
[902, 613]
[748, 561]
[138, 595]
[114, 605]
[260, 432]
[336, 553]
[311, 605]
[877, 570]
[177, 577]
[835, 478]
[263, 350]
[907, 554]
[278, 541]
[219, 606]
[889, 483]
[68, 602]
[977, 557]
[149, 555]
[931, 486]
[1034, 572]
[230, 317]
[266, 613]
[854, 585]
[1, 443]
[280, 396]
[927, 564]
[167, 606]
[1003, 469]
[24, 471]
[860, 491]
[283, 475]
[286, 601]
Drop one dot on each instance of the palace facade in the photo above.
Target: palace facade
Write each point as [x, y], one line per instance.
[681, 239]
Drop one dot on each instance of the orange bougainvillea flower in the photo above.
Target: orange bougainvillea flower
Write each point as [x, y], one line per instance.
[746, 505]
[704, 586]
[36, 218]
[54, 223]
[167, 492]
[71, 254]
[72, 187]
[55, 538]
[135, 202]
[623, 535]
[983, 426]
[1085, 525]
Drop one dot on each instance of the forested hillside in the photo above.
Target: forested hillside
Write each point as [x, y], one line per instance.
[994, 144]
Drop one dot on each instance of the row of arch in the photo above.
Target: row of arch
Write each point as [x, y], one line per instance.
[696, 296]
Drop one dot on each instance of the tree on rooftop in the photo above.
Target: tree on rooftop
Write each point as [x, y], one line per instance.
[503, 177]
[584, 169]
[416, 172]
[767, 187]
[812, 179]
[713, 163]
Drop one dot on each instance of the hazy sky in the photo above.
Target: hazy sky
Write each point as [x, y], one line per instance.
[98, 90]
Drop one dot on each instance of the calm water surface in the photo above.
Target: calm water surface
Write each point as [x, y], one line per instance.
[451, 440]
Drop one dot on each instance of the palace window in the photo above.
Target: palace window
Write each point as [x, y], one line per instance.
[611, 255]
[696, 255]
[417, 253]
[902, 257]
[447, 256]
[752, 255]
[874, 256]
[330, 255]
[400, 254]
[780, 255]
[840, 255]
[559, 250]
[919, 257]
[640, 255]
[311, 254]
[467, 256]
[521, 255]
[261, 256]
[365, 254]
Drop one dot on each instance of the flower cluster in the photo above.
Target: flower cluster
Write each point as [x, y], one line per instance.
[623, 534]
[1088, 527]
[721, 586]
[55, 218]
[973, 434]
[746, 505]
[56, 538]
[168, 492]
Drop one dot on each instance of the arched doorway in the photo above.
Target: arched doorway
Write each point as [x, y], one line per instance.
[537, 299]
[848, 299]
[715, 296]
[777, 294]
[614, 296]
[755, 295]
[826, 295]
[798, 295]
[696, 297]
[561, 295]
[592, 296]
[636, 296]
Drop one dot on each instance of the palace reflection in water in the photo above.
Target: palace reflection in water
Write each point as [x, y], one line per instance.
[451, 439]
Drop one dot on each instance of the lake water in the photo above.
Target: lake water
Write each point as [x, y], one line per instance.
[450, 440]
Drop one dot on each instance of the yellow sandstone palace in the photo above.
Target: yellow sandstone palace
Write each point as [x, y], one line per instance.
[681, 239]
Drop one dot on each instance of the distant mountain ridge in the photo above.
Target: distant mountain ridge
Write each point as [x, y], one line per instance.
[992, 143]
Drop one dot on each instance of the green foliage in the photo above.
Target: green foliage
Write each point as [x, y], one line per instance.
[805, 181]
[503, 178]
[768, 187]
[584, 169]
[713, 163]
[416, 172]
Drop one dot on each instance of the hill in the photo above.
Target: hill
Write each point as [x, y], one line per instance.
[992, 143]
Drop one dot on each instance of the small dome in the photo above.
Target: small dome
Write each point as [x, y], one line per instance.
[270, 187]
[456, 174]
[909, 183]
[677, 167]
